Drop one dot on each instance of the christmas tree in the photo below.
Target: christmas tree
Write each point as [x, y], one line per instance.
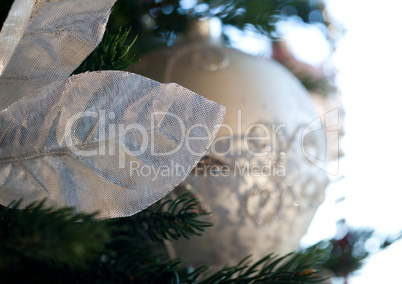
[47, 244]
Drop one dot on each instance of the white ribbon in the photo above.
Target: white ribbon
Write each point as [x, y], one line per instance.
[108, 141]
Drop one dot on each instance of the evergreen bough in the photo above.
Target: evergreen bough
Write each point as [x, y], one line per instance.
[47, 245]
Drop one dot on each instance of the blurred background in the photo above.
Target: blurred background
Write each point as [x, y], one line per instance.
[369, 64]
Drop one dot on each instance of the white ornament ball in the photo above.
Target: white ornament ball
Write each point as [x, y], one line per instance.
[258, 180]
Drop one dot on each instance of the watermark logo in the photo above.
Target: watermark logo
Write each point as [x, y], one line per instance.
[327, 160]
[270, 169]
[165, 134]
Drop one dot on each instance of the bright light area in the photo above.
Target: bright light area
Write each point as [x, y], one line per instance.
[305, 41]
[369, 59]
[249, 41]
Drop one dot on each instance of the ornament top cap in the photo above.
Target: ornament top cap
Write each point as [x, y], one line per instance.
[204, 28]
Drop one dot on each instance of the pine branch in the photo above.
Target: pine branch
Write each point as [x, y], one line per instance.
[160, 23]
[139, 251]
[263, 15]
[111, 54]
[168, 220]
[30, 233]
[136, 262]
[39, 245]
[291, 268]
[39, 239]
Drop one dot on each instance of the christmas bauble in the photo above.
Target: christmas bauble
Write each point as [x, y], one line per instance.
[259, 179]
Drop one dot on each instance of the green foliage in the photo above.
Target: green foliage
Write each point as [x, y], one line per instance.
[138, 243]
[45, 245]
[148, 19]
[263, 15]
[49, 235]
[159, 23]
[168, 220]
[291, 268]
[111, 54]
[42, 242]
